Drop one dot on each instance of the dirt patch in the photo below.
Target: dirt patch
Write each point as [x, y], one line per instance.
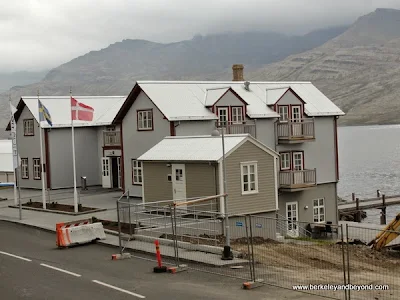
[112, 225]
[58, 207]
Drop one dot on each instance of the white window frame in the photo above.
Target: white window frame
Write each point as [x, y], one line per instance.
[137, 172]
[317, 216]
[226, 110]
[145, 120]
[24, 168]
[284, 115]
[287, 155]
[247, 165]
[29, 127]
[296, 116]
[237, 114]
[36, 169]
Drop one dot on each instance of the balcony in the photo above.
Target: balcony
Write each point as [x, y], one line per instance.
[297, 180]
[290, 132]
[112, 138]
[238, 128]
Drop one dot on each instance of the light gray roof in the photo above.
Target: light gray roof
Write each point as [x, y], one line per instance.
[6, 160]
[198, 148]
[187, 100]
[59, 107]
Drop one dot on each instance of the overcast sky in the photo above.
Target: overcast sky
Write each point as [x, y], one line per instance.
[41, 34]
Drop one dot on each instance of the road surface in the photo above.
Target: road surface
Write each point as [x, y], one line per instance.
[31, 267]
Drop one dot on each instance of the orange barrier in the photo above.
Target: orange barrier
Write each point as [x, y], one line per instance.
[63, 240]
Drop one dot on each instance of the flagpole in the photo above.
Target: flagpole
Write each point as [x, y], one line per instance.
[41, 159]
[73, 155]
[15, 148]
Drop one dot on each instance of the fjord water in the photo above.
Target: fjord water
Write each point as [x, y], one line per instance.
[369, 159]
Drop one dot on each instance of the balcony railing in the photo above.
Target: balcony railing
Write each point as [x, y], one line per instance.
[112, 138]
[295, 132]
[238, 128]
[299, 179]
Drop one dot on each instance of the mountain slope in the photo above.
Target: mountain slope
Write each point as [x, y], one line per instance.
[359, 69]
[114, 69]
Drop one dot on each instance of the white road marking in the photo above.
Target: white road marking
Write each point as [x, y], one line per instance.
[12, 255]
[119, 289]
[61, 270]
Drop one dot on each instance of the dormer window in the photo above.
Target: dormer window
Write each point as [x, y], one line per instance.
[237, 115]
[283, 111]
[223, 116]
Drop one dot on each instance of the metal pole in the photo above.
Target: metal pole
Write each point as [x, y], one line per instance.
[18, 176]
[248, 248]
[227, 254]
[344, 261]
[252, 249]
[119, 229]
[348, 258]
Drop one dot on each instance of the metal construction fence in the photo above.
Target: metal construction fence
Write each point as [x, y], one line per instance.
[337, 263]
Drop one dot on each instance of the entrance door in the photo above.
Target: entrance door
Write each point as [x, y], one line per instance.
[292, 217]
[296, 121]
[114, 172]
[179, 182]
[106, 176]
[298, 174]
[119, 172]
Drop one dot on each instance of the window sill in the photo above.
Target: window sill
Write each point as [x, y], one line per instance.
[145, 129]
[29, 134]
[24, 177]
[138, 184]
[249, 193]
[37, 178]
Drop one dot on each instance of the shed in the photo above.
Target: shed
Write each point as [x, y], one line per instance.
[182, 167]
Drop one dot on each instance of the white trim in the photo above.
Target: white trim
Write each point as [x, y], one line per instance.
[226, 109]
[287, 113]
[37, 169]
[137, 168]
[221, 189]
[276, 160]
[142, 124]
[291, 113]
[318, 207]
[297, 216]
[248, 164]
[302, 160]
[29, 127]
[281, 160]
[143, 196]
[24, 168]
[237, 109]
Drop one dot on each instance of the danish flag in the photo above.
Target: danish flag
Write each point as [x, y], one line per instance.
[80, 111]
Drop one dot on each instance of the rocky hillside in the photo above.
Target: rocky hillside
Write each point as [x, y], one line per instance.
[113, 70]
[359, 69]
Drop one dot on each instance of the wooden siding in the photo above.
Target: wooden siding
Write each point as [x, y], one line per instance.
[201, 179]
[265, 199]
[156, 184]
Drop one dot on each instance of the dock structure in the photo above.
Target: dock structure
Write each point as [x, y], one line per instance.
[355, 208]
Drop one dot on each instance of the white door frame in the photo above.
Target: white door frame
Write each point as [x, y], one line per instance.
[119, 172]
[179, 183]
[296, 122]
[106, 172]
[298, 177]
[292, 228]
[226, 110]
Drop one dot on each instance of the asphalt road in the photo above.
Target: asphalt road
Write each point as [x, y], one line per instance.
[31, 267]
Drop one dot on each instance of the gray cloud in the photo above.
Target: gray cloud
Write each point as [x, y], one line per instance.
[38, 34]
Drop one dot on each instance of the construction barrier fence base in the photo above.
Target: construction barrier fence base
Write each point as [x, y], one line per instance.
[177, 269]
[253, 284]
[158, 269]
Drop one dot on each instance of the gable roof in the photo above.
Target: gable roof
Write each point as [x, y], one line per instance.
[59, 107]
[213, 95]
[187, 100]
[199, 148]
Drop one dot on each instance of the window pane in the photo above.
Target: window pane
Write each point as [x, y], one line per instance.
[246, 187]
[245, 178]
[321, 210]
[321, 202]
[245, 170]
[315, 211]
[315, 202]
[252, 177]
[252, 186]
[251, 168]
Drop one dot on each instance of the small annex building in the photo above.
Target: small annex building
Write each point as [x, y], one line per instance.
[182, 167]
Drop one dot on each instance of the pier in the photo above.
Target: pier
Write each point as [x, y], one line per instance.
[353, 210]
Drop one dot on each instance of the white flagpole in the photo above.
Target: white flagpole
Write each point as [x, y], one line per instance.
[73, 156]
[15, 155]
[42, 161]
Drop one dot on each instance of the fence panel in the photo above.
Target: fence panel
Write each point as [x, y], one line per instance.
[373, 274]
[298, 263]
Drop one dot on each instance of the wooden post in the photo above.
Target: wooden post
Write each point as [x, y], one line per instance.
[358, 213]
[353, 196]
[383, 210]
